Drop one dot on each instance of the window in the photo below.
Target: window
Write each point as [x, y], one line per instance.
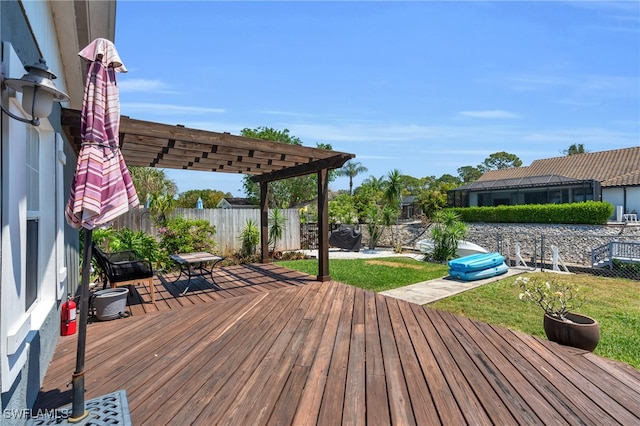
[31, 275]
[33, 216]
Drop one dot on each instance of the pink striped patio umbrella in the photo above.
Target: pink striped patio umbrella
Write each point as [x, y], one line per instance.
[102, 188]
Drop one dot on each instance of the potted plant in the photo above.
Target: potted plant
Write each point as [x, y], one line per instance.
[557, 299]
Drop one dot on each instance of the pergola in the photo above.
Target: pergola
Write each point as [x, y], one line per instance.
[150, 144]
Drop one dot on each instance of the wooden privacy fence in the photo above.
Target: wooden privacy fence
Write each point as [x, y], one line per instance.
[229, 225]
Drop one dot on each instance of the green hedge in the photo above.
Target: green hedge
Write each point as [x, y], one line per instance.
[587, 213]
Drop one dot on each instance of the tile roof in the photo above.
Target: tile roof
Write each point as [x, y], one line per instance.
[612, 168]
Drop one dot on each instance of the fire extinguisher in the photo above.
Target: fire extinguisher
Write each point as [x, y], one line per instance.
[68, 323]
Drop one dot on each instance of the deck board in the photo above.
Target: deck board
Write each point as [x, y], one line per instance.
[334, 389]
[489, 363]
[375, 383]
[421, 401]
[397, 392]
[274, 346]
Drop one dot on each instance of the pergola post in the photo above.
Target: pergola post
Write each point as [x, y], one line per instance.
[323, 226]
[264, 223]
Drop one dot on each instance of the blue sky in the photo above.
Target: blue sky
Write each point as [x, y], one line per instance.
[422, 87]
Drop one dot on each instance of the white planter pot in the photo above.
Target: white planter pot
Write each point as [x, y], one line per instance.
[110, 303]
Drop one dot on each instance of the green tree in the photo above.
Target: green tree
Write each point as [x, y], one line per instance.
[271, 134]
[433, 200]
[285, 193]
[151, 182]
[500, 160]
[469, 174]
[373, 182]
[393, 194]
[575, 149]
[411, 185]
[366, 195]
[210, 198]
[433, 197]
[351, 169]
[161, 206]
[449, 180]
[393, 188]
[342, 209]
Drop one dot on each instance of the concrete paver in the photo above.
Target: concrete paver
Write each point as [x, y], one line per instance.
[432, 290]
[423, 292]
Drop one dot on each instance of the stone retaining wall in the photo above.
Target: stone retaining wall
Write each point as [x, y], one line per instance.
[574, 242]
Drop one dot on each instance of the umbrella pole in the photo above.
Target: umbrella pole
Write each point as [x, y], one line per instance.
[78, 411]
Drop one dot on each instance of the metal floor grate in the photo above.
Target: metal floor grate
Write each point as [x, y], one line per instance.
[110, 409]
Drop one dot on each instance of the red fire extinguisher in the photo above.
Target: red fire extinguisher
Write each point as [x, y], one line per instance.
[68, 323]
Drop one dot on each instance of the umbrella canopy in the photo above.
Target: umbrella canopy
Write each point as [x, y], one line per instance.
[199, 203]
[102, 188]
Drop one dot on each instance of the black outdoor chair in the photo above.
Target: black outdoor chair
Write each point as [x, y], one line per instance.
[124, 268]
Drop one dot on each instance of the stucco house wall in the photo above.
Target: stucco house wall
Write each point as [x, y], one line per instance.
[29, 331]
[39, 262]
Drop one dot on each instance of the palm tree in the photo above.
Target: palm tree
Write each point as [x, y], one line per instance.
[150, 181]
[375, 183]
[393, 192]
[449, 230]
[277, 220]
[352, 169]
[161, 206]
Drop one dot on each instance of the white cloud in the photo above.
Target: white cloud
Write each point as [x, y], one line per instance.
[598, 85]
[140, 85]
[491, 114]
[595, 139]
[128, 108]
[363, 132]
[287, 113]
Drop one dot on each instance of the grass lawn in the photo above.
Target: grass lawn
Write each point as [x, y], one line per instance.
[373, 274]
[615, 303]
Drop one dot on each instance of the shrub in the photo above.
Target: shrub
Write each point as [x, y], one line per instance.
[629, 269]
[250, 238]
[143, 244]
[589, 212]
[181, 235]
[447, 232]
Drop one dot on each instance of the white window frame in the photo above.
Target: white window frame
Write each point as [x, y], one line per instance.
[18, 327]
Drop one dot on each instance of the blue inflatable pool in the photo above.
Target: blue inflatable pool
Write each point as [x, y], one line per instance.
[476, 262]
[480, 274]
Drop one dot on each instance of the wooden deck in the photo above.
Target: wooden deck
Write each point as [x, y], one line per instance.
[286, 349]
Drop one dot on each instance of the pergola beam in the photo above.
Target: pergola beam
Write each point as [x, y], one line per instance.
[150, 144]
[334, 162]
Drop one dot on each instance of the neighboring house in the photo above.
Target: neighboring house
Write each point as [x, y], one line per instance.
[410, 207]
[39, 252]
[611, 176]
[236, 203]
